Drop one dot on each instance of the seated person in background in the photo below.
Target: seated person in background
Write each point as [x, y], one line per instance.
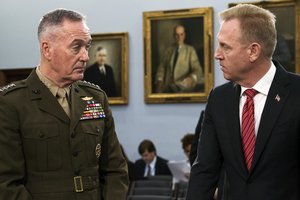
[150, 164]
[187, 142]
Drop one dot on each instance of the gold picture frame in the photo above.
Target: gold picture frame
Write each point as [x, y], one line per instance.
[10, 75]
[158, 27]
[287, 13]
[116, 65]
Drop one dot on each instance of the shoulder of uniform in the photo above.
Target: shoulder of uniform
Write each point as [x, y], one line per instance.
[90, 85]
[12, 87]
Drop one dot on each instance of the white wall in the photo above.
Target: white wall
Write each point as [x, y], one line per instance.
[164, 124]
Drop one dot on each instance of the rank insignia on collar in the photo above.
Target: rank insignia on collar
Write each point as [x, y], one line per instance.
[86, 98]
[7, 87]
[93, 110]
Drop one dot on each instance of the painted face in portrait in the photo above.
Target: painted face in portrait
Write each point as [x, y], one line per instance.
[179, 35]
[101, 56]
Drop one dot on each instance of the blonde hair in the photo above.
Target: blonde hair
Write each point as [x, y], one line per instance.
[256, 25]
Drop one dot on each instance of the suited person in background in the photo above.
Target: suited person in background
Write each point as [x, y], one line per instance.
[180, 69]
[150, 164]
[101, 73]
[266, 166]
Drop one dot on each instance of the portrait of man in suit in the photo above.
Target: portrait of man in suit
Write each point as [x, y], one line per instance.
[178, 55]
[100, 73]
[179, 70]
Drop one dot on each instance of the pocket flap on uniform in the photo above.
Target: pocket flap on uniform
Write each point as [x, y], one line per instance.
[93, 128]
[41, 131]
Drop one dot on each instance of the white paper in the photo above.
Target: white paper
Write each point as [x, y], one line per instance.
[179, 169]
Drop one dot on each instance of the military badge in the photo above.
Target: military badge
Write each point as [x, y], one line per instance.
[87, 98]
[93, 110]
[98, 150]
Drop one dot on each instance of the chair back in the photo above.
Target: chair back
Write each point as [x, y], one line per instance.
[149, 197]
[152, 191]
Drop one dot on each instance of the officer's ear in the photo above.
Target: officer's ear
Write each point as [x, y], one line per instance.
[46, 49]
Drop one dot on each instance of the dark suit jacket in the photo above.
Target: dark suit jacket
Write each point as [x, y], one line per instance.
[275, 169]
[106, 82]
[161, 168]
[193, 153]
[42, 149]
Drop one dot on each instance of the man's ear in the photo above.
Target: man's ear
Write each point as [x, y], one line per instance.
[254, 51]
[46, 49]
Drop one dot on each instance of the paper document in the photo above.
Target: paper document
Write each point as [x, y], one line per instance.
[179, 169]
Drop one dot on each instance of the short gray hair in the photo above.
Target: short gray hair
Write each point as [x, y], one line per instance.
[56, 18]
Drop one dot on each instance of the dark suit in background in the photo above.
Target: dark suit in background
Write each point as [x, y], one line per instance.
[105, 81]
[161, 167]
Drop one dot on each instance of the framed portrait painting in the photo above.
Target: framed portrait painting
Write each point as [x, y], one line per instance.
[108, 65]
[178, 55]
[10, 75]
[288, 31]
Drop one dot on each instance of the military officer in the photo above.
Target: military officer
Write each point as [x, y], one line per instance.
[57, 134]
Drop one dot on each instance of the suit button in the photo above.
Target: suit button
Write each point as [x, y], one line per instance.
[36, 91]
[77, 172]
[41, 135]
[75, 153]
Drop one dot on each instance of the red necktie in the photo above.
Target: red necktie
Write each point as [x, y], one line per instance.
[248, 134]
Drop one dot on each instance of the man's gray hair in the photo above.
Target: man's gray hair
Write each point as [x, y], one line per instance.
[56, 18]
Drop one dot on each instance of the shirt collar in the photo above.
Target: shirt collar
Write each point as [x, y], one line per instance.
[264, 84]
[152, 164]
[50, 84]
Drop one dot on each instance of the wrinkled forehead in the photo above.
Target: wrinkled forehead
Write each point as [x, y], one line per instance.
[76, 30]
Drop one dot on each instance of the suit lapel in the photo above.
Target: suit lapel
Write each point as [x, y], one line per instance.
[45, 99]
[234, 127]
[275, 101]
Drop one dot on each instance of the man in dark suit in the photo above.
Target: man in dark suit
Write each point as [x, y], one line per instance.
[255, 139]
[101, 73]
[57, 133]
[193, 152]
[180, 69]
[150, 164]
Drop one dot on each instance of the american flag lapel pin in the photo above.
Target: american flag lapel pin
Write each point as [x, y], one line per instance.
[277, 98]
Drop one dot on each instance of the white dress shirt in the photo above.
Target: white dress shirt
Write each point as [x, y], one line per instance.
[152, 167]
[262, 87]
